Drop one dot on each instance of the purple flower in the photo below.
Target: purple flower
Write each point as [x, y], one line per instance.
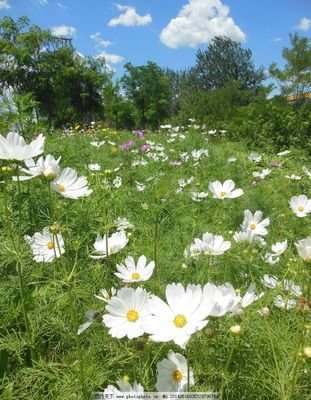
[140, 134]
[127, 145]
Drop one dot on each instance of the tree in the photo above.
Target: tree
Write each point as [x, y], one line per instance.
[295, 78]
[65, 86]
[225, 61]
[148, 88]
[118, 111]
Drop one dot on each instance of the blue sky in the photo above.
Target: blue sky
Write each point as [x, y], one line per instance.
[263, 25]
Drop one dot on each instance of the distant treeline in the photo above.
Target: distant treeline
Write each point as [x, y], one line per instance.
[60, 86]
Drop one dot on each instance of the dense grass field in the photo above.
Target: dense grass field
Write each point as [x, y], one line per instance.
[261, 352]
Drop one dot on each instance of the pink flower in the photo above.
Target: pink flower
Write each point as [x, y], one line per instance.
[144, 148]
[127, 145]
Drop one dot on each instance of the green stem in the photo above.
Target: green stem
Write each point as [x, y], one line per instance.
[155, 244]
[8, 218]
[24, 308]
[188, 369]
[20, 276]
[153, 360]
[51, 202]
[106, 240]
[226, 370]
[294, 374]
[81, 370]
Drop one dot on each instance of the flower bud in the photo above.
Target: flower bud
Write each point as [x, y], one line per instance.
[235, 329]
[55, 228]
[264, 311]
[307, 351]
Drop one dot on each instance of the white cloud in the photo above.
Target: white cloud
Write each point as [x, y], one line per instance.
[277, 39]
[304, 24]
[64, 31]
[110, 58]
[43, 2]
[198, 22]
[129, 17]
[4, 5]
[61, 5]
[99, 40]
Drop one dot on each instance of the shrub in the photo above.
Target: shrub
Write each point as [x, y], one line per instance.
[272, 122]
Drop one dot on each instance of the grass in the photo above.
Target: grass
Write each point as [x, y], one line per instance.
[264, 362]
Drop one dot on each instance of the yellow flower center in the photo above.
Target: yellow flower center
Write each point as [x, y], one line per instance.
[50, 245]
[253, 226]
[222, 194]
[135, 275]
[301, 208]
[177, 376]
[132, 315]
[61, 188]
[180, 321]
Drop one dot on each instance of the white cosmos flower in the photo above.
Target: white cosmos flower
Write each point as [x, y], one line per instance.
[292, 288]
[45, 245]
[269, 281]
[254, 223]
[104, 295]
[172, 373]
[279, 247]
[105, 246]
[123, 386]
[284, 303]
[289, 301]
[47, 167]
[213, 245]
[224, 190]
[95, 143]
[303, 247]
[117, 182]
[179, 318]
[195, 249]
[255, 157]
[89, 319]
[127, 313]
[262, 174]
[198, 196]
[231, 159]
[198, 154]
[284, 153]
[300, 205]
[94, 167]
[293, 177]
[70, 185]
[249, 237]
[277, 250]
[131, 272]
[224, 299]
[219, 300]
[123, 224]
[272, 282]
[271, 258]
[306, 171]
[249, 298]
[182, 183]
[140, 187]
[14, 147]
